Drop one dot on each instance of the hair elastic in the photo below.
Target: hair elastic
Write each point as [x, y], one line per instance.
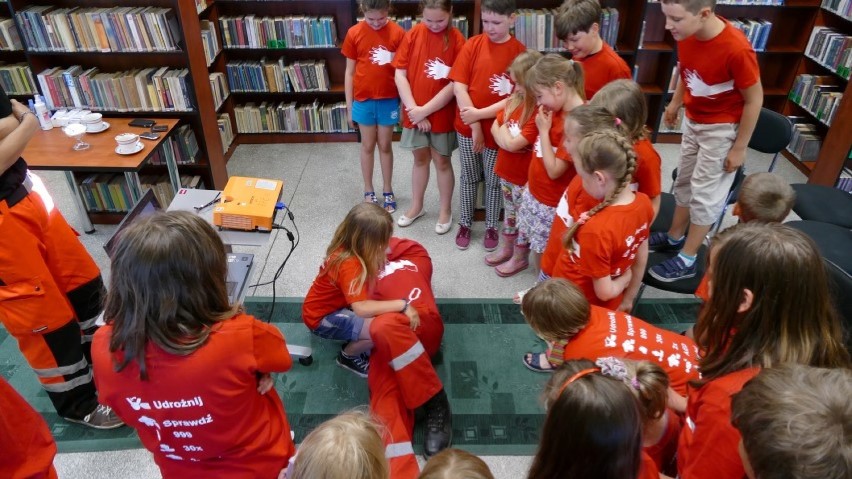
[635, 383]
[584, 216]
[575, 377]
[617, 121]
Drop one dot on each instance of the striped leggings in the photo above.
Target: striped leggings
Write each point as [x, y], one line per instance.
[473, 167]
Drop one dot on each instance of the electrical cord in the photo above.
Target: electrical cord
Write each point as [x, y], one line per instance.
[294, 242]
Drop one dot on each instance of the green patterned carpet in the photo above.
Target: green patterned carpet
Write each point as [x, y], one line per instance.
[495, 399]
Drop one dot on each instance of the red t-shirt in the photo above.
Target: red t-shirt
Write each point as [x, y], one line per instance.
[703, 289]
[708, 444]
[602, 68]
[713, 73]
[200, 415]
[611, 333]
[647, 468]
[606, 246]
[513, 166]
[663, 452]
[481, 66]
[373, 52]
[544, 189]
[647, 176]
[427, 58]
[28, 448]
[574, 201]
[333, 290]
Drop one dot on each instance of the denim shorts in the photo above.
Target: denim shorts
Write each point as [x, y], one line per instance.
[341, 325]
[383, 112]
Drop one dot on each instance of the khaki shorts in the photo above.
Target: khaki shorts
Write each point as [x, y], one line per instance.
[414, 139]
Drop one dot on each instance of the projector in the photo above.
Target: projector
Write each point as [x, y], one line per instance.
[248, 204]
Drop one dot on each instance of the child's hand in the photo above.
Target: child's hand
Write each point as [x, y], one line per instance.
[735, 159]
[670, 115]
[413, 317]
[265, 383]
[425, 126]
[478, 137]
[349, 119]
[543, 120]
[469, 115]
[416, 114]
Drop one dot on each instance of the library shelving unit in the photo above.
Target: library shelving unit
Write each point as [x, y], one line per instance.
[12, 56]
[834, 154]
[210, 165]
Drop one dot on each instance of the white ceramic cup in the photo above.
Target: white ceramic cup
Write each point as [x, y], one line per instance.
[126, 141]
[93, 121]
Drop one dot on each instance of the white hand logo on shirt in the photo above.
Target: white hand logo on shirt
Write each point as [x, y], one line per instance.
[562, 212]
[697, 87]
[514, 128]
[436, 69]
[137, 404]
[609, 341]
[501, 85]
[380, 55]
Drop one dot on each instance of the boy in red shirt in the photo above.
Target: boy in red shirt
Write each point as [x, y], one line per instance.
[721, 91]
[481, 87]
[577, 26]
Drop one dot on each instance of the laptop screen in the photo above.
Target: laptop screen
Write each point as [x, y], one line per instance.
[144, 207]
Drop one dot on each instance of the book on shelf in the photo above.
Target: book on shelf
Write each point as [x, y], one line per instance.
[9, 38]
[818, 94]
[741, 2]
[756, 31]
[17, 79]
[210, 41]
[535, 29]
[831, 49]
[840, 7]
[226, 130]
[288, 117]
[48, 28]
[219, 88]
[805, 142]
[407, 23]
[276, 76]
[200, 5]
[250, 31]
[181, 146]
[146, 89]
[105, 193]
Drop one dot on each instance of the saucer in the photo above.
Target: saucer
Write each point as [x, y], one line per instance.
[132, 151]
[104, 126]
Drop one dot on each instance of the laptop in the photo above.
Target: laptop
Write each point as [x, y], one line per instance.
[239, 264]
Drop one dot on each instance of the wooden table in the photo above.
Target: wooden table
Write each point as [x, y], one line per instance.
[52, 150]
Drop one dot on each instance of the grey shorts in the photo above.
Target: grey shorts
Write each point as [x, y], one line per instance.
[414, 139]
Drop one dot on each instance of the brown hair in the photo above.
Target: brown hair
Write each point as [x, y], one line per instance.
[445, 6]
[796, 422]
[693, 6]
[648, 382]
[765, 197]
[575, 16]
[556, 309]
[519, 68]
[167, 286]
[370, 5]
[592, 427]
[553, 68]
[591, 118]
[455, 464]
[791, 318]
[348, 446]
[500, 7]
[625, 100]
[363, 234]
[608, 151]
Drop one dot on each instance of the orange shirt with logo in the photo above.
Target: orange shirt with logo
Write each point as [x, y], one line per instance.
[513, 166]
[544, 189]
[373, 52]
[332, 290]
[601, 68]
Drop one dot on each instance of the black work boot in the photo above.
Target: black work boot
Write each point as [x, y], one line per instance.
[439, 424]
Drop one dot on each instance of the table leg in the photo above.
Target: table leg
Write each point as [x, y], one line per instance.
[88, 227]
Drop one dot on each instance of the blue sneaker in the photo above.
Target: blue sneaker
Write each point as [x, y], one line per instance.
[672, 269]
[659, 242]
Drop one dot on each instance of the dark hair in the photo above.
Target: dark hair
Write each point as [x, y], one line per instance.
[796, 422]
[592, 428]
[575, 16]
[500, 7]
[791, 318]
[369, 5]
[693, 6]
[167, 285]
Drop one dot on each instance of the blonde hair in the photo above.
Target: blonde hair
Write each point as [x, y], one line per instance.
[625, 100]
[455, 464]
[519, 68]
[607, 151]
[556, 309]
[348, 446]
[765, 197]
[648, 382]
[364, 234]
[551, 69]
[590, 118]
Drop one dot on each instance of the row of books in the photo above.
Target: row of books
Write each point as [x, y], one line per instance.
[264, 76]
[832, 49]
[408, 22]
[840, 7]
[288, 117]
[219, 87]
[818, 95]
[9, 38]
[17, 79]
[536, 29]
[109, 193]
[805, 142]
[756, 30]
[210, 41]
[90, 29]
[181, 147]
[147, 89]
[226, 130]
[250, 31]
[609, 26]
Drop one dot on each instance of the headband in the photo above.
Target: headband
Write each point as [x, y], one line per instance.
[575, 377]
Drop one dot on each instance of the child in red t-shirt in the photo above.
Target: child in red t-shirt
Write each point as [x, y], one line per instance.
[371, 96]
[338, 305]
[28, 447]
[754, 319]
[180, 364]
[577, 26]
[422, 65]
[481, 85]
[514, 132]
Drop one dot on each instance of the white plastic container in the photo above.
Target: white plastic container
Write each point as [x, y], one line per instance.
[42, 114]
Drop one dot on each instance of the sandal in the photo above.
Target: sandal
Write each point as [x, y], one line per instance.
[370, 197]
[390, 202]
[538, 362]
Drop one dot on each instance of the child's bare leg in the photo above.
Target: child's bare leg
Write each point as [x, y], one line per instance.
[694, 239]
[363, 344]
[419, 180]
[385, 137]
[446, 184]
[368, 147]
[680, 222]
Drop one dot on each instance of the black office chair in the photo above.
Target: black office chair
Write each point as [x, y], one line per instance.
[772, 133]
[824, 204]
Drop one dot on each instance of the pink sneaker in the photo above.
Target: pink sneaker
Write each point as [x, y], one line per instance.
[491, 239]
[463, 237]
